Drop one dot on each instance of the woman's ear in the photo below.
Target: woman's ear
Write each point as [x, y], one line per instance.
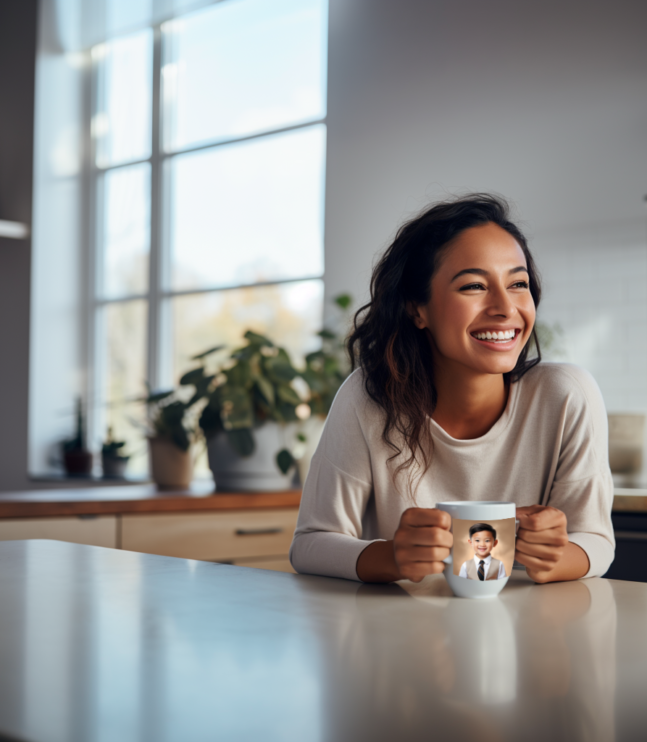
[413, 310]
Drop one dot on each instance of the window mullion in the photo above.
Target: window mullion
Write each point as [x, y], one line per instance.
[156, 330]
[91, 217]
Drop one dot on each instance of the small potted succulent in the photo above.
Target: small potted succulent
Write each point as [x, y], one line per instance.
[113, 459]
[77, 459]
[172, 429]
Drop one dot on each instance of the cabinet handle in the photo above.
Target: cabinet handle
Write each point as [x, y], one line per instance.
[257, 531]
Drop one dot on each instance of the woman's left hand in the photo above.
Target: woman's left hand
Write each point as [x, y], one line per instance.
[542, 541]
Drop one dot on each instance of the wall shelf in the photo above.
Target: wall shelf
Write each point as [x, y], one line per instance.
[13, 230]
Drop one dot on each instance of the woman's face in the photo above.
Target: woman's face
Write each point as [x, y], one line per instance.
[479, 291]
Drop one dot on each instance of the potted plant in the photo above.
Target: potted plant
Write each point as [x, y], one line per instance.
[171, 432]
[262, 416]
[249, 420]
[113, 459]
[77, 459]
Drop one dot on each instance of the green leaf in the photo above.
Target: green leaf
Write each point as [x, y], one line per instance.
[317, 355]
[246, 353]
[327, 334]
[180, 437]
[343, 300]
[206, 353]
[315, 381]
[210, 422]
[242, 441]
[278, 370]
[173, 413]
[287, 394]
[317, 406]
[265, 389]
[331, 365]
[192, 377]
[236, 409]
[158, 396]
[284, 460]
[302, 437]
[286, 412]
[257, 339]
[240, 374]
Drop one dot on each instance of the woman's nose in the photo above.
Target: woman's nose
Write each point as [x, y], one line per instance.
[500, 303]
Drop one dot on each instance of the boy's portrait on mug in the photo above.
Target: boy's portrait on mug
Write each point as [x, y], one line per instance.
[483, 551]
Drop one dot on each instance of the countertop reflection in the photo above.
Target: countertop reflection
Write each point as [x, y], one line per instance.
[99, 644]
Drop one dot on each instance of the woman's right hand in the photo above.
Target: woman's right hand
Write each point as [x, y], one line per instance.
[421, 543]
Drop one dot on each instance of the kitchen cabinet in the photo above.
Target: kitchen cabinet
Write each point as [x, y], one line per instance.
[92, 530]
[250, 530]
[244, 536]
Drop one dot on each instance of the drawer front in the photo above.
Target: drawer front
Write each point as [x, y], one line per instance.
[94, 531]
[211, 536]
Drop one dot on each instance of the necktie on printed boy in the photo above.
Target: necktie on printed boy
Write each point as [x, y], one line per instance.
[481, 571]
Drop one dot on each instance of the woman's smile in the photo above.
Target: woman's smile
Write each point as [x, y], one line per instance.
[497, 339]
[480, 313]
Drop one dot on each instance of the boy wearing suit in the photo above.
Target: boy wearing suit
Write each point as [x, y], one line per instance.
[483, 566]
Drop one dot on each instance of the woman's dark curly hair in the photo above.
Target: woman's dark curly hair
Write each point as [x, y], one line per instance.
[394, 355]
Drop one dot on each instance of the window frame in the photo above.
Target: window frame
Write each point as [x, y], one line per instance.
[158, 298]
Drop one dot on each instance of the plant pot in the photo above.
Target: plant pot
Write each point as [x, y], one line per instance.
[114, 467]
[255, 473]
[78, 462]
[170, 467]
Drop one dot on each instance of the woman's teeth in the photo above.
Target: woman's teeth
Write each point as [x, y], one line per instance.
[496, 336]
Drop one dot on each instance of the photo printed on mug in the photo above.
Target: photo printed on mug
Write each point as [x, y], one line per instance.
[483, 550]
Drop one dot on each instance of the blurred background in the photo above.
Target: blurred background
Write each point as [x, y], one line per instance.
[184, 171]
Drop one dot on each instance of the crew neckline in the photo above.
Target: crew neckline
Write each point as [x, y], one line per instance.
[494, 432]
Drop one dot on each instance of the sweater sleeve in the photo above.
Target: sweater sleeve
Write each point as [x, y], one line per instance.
[328, 538]
[583, 486]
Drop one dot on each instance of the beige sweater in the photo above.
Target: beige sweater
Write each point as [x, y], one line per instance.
[549, 447]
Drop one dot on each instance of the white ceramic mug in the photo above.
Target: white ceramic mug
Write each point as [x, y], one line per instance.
[463, 568]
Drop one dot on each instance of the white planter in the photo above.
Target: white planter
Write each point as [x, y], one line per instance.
[255, 473]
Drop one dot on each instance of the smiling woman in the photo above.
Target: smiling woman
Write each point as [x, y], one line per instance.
[446, 404]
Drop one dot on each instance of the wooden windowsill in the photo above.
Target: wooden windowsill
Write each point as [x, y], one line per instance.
[143, 498]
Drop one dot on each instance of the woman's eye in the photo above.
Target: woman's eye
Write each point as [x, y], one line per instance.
[472, 287]
[520, 285]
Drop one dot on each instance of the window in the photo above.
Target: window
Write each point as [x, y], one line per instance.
[207, 195]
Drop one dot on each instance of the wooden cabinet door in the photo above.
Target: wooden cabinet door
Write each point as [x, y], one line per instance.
[222, 536]
[99, 530]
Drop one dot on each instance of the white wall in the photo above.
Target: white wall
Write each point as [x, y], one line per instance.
[544, 103]
[57, 261]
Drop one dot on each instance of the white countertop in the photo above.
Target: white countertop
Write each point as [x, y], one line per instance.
[100, 644]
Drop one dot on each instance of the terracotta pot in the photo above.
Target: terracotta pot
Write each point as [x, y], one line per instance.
[171, 468]
[78, 462]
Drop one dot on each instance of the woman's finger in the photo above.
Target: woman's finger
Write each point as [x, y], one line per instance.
[551, 536]
[422, 553]
[430, 536]
[425, 517]
[540, 518]
[417, 570]
[540, 551]
[533, 563]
